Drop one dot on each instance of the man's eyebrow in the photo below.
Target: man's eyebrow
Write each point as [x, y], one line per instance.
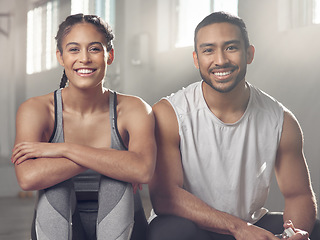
[204, 45]
[233, 42]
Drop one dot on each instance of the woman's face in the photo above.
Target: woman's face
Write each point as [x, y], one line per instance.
[84, 56]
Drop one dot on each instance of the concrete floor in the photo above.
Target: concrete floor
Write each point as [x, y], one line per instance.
[16, 216]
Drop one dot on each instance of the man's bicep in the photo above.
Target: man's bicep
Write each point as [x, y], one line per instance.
[291, 167]
[168, 174]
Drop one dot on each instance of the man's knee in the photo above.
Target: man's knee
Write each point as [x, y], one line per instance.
[315, 235]
[172, 228]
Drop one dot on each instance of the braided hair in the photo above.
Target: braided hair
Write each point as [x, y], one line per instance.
[64, 80]
[66, 26]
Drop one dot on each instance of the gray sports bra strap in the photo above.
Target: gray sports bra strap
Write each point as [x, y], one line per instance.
[57, 135]
[116, 140]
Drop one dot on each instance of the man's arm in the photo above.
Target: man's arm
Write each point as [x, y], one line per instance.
[166, 188]
[293, 176]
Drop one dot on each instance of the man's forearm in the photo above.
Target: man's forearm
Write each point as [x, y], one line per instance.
[186, 205]
[301, 211]
[190, 207]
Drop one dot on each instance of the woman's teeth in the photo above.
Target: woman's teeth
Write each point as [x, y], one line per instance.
[84, 71]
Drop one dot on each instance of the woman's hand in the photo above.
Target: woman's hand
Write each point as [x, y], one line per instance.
[31, 150]
[136, 186]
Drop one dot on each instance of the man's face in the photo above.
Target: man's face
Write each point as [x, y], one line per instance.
[221, 56]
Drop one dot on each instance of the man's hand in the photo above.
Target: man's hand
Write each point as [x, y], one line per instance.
[252, 232]
[299, 234]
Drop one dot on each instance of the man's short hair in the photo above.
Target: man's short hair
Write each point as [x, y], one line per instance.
[221, 17]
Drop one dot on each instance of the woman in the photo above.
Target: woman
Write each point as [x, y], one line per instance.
[84, 146]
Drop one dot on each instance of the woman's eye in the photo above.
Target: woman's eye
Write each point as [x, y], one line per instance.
[73, 50]
[94, 49]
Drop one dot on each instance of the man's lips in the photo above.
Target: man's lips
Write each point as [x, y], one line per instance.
[222, 72]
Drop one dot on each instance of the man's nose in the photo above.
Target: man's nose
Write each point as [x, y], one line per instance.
[220, 58]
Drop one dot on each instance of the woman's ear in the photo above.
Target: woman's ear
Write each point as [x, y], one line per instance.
[59, 58]
[110, 56]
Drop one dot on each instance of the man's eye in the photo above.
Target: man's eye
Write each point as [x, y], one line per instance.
[232, 48]
[208, 50]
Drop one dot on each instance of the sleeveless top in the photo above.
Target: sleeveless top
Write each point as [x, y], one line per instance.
[228, 166]
[112, 200]
[86, 184]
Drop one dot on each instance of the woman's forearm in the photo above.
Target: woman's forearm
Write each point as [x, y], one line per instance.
[41, 173]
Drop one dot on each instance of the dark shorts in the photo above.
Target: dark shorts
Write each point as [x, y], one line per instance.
[169, 227]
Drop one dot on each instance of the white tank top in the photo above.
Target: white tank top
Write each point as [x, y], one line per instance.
[228, 166]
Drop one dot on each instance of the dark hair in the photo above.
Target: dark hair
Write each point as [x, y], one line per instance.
[66, 26]
[220, 17]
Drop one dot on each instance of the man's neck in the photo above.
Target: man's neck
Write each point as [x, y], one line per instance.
[228, 107]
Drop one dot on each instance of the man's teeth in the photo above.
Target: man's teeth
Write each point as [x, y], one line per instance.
[222, 73]
[85, 71]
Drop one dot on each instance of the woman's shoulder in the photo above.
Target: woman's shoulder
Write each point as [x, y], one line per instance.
[130, 102]
[39, 106]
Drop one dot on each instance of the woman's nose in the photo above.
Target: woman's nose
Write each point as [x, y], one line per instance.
[85, 57]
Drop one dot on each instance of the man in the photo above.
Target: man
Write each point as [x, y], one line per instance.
[219, 140]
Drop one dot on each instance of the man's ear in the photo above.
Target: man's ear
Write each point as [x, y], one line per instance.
[59, 58]
[195, 59]
[250, 54]
[110, 56]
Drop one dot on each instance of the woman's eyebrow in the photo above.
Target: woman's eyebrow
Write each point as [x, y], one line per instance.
[76, 43]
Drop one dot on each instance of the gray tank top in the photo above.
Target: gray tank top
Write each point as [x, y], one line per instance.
[87, 183]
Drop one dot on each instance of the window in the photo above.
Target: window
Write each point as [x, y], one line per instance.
[178, 19]
[41, 29]
[103, 8]
[190, 13]
[298, 13]
[43, 24]
[316, 12]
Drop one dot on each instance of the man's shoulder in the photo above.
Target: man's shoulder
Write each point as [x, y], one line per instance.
[264, 99]
[266, 107]
[185, 90]
[186, 97]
